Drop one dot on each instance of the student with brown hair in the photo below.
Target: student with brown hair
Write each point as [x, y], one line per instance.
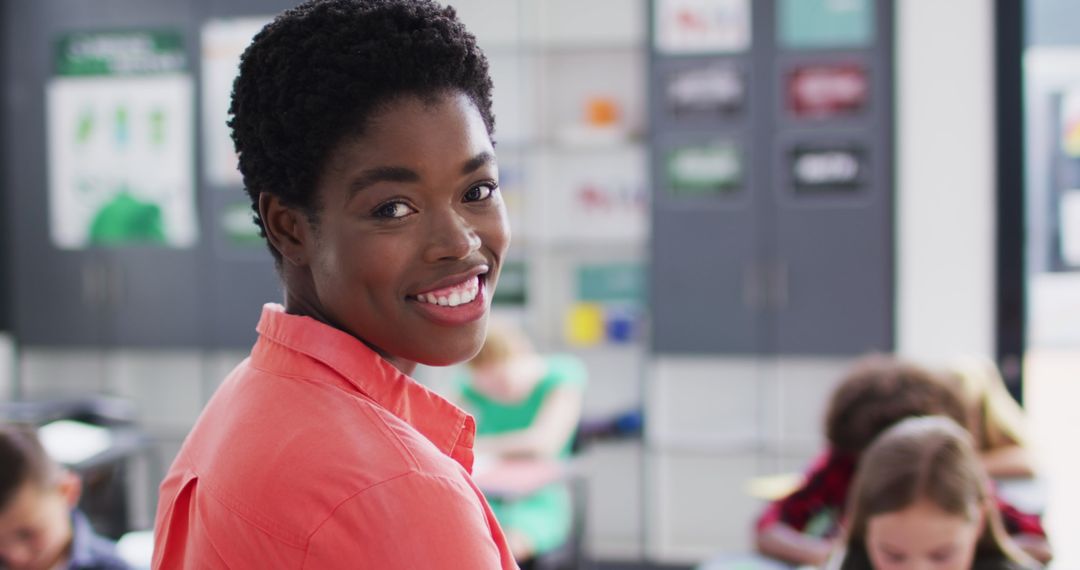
[877, 392]
[921, 499]
[40, 526]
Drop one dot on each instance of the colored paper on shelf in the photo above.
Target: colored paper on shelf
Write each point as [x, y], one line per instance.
[621, 324]
[1070, 123]
[708, 169]
[701, 26]
[714, 89]
[612, 282]
[121, 142]
[584, 324]
[826, 23]
[824, 169]
[513, 284]
[223, 41]
[827, 91]
[1070, 228]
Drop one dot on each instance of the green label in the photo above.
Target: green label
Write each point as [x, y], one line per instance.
[120, 53]
[704, 170]
[513, 284]
[826, 23]
[617, 282]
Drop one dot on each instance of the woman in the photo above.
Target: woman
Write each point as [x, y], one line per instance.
[364, 134]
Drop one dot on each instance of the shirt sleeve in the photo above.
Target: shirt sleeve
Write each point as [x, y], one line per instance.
[824, 488]
[1018, 522]
[412, 521]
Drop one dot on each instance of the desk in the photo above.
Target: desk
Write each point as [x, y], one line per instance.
[743, 561]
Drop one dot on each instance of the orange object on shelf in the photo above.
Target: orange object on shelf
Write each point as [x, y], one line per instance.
[601, 112]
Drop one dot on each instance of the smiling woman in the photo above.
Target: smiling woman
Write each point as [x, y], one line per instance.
[364, 134]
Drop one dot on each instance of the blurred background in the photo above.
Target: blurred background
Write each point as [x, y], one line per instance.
[717, 206]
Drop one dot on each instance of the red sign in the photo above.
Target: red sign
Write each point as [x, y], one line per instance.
[827, 91]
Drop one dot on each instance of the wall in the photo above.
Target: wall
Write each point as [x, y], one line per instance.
[945, 178]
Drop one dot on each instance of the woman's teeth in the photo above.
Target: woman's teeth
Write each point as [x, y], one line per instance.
[453, 296]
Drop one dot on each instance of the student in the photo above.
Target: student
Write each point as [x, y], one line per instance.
[878, 392]
[526, 406]
[996, 421]
[921, 499]
[364, 134]
[40, 526]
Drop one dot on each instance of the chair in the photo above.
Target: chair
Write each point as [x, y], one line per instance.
[571, 555]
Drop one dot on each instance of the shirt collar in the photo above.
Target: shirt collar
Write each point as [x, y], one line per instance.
[450, 429]
[82, 552]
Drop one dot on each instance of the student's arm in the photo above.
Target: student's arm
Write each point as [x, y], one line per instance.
[545, 437]
[1036, 547]
[1008, 462]
[415, 520]
[782, 542]
[780, 531]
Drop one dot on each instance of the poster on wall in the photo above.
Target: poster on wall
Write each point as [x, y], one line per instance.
[701, 26]
[223, 41]
[120, 138]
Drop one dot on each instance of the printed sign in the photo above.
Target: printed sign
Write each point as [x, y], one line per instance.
[826, 23]
[119, 114]
[710, 169]
[827, 169]
[223, 41]
[827, 91]
[702, 26]
[716, 90]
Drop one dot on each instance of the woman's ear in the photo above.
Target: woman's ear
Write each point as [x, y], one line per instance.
[287, 229]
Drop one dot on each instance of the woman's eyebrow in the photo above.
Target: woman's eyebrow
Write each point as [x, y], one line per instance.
[381, 174]
[477, 161]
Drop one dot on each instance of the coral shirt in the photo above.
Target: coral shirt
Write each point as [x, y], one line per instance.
[317, 453]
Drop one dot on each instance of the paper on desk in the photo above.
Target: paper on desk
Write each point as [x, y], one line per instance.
[70, 442]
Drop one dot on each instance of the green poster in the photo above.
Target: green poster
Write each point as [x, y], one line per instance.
[826, 23]
[120, 141]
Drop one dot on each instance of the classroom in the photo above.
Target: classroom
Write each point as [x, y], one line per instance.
[540, 284]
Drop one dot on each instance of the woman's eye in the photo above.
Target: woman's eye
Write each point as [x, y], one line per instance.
[393, 210]
[481, 192]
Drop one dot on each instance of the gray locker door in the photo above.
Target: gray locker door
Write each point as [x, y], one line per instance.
[131, 295]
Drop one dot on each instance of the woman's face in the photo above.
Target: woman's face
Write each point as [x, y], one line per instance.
[922, 537]
[411, 233]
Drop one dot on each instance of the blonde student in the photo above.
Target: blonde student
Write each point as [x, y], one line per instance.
[997, 421]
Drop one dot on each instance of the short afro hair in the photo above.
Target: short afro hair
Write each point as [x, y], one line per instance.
[880, 391]
[320, 71]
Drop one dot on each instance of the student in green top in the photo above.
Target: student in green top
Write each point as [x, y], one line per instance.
[526, 406]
